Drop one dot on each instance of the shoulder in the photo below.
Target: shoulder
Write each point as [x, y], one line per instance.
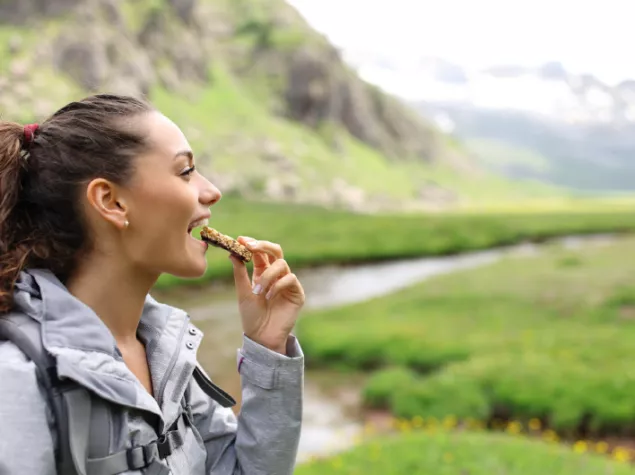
[16, 368]
[11, 355]
[24, 411]
[19, 378]
[20, 388]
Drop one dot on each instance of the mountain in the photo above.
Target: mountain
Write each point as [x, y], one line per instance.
[580, 129]
[271, 108]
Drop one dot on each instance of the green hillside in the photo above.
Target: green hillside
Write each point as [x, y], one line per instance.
[269, 106]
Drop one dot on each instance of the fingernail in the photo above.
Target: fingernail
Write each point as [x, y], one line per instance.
[257, 289]
[268, 296]
[251, 243]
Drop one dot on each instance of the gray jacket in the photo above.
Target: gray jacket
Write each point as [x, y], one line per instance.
[262, 440]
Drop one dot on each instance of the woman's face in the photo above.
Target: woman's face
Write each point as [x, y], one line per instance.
[163, 201]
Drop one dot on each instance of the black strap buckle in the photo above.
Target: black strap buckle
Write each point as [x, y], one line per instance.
[141, 456]
[164, 446]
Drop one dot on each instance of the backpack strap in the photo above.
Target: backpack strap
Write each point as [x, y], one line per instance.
[24, 332]
[78, 409]
[137, 458]
[142, 456]
[105, 424]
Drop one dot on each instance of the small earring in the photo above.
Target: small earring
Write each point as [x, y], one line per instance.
[126, 224]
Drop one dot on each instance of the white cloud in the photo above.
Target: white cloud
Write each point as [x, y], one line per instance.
[587, 35]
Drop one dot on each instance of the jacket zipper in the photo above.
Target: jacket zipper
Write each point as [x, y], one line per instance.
[170, 367]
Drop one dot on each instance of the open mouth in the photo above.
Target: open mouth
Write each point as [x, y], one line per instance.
[197, 224]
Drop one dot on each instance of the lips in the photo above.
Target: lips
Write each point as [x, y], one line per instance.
[197, 223]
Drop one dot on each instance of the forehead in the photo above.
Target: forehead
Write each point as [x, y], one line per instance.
[164, 136]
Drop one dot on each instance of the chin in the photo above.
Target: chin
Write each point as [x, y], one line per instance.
[192, 270]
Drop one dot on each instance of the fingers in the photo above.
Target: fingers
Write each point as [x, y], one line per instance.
[290, 284]
[274, 272]
[241, 278]
[261, 262]
[272, 249]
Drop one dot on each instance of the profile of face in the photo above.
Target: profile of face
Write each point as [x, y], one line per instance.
[162, 201]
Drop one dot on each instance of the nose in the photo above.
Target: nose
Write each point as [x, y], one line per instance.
[208, 194]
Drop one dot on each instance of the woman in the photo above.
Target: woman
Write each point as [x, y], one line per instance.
[96, 203]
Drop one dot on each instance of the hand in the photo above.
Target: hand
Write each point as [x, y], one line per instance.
[271, 300]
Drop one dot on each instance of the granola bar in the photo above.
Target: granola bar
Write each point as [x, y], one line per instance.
[217, 239]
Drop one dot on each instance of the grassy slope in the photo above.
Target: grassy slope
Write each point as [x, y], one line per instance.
[229, 119]
[53, 88]
[218, 112]
[548, 337]
[463, 453]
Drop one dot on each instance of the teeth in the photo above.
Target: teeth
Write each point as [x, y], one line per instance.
[200, 222]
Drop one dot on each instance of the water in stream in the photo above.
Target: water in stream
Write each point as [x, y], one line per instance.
[330, 423]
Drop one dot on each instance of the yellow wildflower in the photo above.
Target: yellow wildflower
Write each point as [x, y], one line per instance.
[580, 446]
[449, 422]
[514, 427]
[621, 454]
[550, 436]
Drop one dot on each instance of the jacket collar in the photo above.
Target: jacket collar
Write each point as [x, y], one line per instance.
[86, 351]
[69, 323]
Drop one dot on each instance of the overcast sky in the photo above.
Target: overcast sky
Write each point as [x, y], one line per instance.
[596, 36]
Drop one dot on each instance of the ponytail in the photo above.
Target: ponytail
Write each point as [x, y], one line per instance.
[14, 141]
[42, 171]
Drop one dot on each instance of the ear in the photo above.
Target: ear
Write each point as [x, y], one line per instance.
[105, 198]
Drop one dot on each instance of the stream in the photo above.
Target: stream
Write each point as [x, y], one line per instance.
[331, 418]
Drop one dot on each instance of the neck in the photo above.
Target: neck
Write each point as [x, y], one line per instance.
[115, 291]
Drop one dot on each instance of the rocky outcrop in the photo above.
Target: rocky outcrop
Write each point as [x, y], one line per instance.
[184, 9]
[99, 52]
[135, 46]
[19, 12]
[176, 45]
[319, 88]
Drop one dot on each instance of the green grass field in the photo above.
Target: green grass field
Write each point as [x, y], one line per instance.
[312, 235]
[548, 337]
[465, 453]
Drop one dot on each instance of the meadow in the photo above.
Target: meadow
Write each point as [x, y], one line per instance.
[535, 341]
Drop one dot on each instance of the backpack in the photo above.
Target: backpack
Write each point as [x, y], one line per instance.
[85, 423]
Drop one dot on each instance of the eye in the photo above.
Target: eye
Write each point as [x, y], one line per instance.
[188, 171]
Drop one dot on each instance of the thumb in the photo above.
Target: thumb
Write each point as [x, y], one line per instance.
[241, 278]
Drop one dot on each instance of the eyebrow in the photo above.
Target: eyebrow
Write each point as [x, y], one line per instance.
[184, 153]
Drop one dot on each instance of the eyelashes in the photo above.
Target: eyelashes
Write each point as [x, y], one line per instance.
[188, 171]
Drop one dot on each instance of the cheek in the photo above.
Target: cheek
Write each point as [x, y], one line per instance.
[166, 201]
[159, 219]
[158, 224]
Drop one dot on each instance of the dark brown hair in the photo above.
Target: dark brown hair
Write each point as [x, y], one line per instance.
[41, 223]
